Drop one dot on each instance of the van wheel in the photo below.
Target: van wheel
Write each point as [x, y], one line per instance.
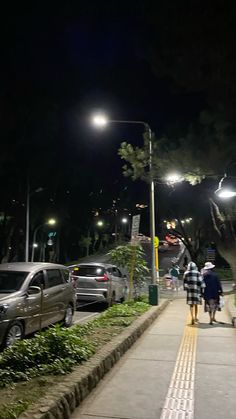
[67, 322]
[14, 333]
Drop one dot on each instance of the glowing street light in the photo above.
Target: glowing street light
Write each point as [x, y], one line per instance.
[100, 223]
[99, 120]
[224, 192]
[173, 178]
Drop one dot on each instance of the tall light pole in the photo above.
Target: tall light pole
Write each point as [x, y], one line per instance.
[102, 121]
[27, 223]
[27, 219]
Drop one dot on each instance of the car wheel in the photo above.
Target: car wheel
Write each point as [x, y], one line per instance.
[14, 333]
[68, 316]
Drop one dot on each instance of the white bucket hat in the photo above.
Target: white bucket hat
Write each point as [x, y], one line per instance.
[208, 265]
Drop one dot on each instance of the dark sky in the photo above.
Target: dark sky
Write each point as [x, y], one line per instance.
[58, 64]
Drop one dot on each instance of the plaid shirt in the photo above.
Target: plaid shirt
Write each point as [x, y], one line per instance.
[193, 284]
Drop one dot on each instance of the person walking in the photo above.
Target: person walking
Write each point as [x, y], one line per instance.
[212, 292]
[174, 273]
[185, 264]
[194, 285]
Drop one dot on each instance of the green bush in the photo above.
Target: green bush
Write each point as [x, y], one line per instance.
[224, 273]
[13, 410]
[57, 350]
[54, 351]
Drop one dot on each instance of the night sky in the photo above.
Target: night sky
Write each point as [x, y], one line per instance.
[59, 63]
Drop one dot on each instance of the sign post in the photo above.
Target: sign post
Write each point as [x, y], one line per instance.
[135, 228]
[156, 245]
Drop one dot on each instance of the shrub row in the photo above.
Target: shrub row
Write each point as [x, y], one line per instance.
[57, 350]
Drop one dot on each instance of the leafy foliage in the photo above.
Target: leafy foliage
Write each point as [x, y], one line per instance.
[54, 351]
[13, 410]
[132, 259]
[57, 350]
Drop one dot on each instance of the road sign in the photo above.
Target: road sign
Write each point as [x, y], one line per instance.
[156, 242]
[211, 255]
[135, 226]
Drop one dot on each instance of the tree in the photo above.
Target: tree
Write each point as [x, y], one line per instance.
[85, 243]
[201, 156]
[131, 258]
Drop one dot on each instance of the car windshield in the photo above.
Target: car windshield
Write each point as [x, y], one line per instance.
[88, 270]
[11, 281]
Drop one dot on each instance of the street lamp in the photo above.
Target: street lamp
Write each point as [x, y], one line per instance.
[50, 222]
[173, 178]
[100, 120]
[225, 190]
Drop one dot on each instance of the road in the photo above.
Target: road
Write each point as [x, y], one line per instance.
[87, 310]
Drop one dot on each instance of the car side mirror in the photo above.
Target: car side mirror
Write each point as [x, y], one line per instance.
[34, 290]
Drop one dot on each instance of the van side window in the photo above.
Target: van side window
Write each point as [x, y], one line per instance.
[66, 275]
[38, 280]
[115, 271]
[54, 277]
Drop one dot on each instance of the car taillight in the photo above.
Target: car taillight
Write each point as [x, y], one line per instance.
[103, 278]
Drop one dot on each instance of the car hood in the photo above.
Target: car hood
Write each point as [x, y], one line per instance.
[8, 297]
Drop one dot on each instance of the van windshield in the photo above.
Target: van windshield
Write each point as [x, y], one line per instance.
[11, 281]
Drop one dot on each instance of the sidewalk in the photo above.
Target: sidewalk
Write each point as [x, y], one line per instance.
[173, 371]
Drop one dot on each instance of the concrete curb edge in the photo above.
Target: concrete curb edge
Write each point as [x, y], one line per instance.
[231, 309]
[63, 398]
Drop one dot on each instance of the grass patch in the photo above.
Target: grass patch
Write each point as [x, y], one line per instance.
[225, 274]
[30, 367]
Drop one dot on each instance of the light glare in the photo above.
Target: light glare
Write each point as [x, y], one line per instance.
[99, 120]
[174, 178]
[226, 193]
[51, 222]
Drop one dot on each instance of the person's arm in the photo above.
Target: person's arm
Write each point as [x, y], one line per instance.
[220, 289]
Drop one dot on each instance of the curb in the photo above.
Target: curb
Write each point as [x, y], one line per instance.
[231, 309]
[63, 398]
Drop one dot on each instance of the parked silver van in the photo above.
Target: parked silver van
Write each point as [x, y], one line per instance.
[33, 296]
[100, 282]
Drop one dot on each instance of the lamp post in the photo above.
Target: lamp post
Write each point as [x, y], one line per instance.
[27, 223]
[102, 121]
[27, 219]
[51, 222]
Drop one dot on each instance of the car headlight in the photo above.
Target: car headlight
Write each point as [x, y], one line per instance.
[3, 309]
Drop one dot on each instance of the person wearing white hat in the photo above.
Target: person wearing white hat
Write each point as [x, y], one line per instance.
[212, 291]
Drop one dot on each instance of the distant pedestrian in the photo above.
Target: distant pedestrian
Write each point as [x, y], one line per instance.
[185, 264]
[194, 285]
[212, 291]
[174, 273]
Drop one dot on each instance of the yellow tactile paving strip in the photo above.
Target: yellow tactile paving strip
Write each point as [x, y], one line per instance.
[179, 403]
